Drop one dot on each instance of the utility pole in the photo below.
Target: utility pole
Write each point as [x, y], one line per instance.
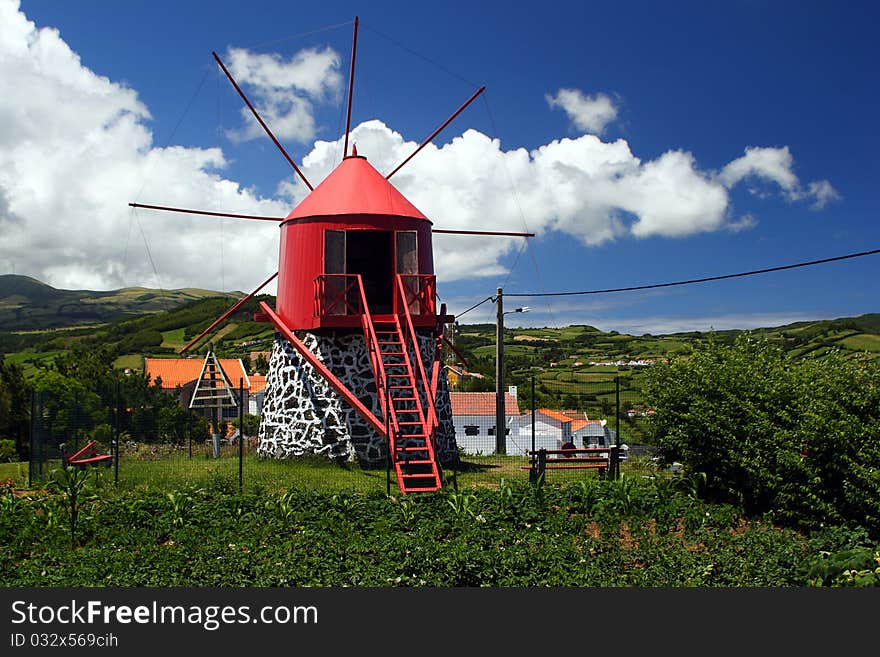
[500, 425]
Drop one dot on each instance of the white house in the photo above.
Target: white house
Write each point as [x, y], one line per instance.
[473, 414]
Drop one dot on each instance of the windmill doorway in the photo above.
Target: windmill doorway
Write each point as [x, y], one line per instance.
[370, 253]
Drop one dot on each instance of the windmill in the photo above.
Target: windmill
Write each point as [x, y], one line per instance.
[355, 371]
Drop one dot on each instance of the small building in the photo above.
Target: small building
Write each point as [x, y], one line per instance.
[552, 429]
[592, 433]
[474, 415]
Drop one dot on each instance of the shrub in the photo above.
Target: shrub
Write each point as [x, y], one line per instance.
[800, 439]
[7, 451]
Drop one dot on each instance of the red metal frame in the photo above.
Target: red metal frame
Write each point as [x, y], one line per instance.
[411, 331]
[87, 456]
[417, 289]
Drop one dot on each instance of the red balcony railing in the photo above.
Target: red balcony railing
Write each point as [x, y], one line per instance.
[338, 295]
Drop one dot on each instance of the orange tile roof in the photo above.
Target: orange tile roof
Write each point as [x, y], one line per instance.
[556, 415]
[577, 425]
[258, 383]
[180, 371]
[481, 403]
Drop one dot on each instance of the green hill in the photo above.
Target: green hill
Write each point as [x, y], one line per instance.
[27, 304]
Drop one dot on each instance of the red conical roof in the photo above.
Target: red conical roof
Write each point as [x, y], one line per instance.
[355, 187]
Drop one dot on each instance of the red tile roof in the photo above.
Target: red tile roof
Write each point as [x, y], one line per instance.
[180, 371]
[481, 403]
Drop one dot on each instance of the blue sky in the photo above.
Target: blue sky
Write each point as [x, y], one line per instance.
[643, 142]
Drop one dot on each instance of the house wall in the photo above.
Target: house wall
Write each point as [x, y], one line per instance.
[594, 435]
[482, 442]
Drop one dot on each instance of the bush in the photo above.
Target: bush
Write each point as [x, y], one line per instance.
[7, 451]
[798, 439]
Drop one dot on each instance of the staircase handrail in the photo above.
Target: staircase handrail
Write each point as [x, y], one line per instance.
[432, 415]
[373, 350]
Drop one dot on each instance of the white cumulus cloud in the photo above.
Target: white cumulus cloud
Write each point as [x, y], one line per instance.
[587, 113]
[284, 90]
[776, 165]
[75, 150]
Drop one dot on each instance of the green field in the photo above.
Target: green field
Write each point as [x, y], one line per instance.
[862, 342]
[173, 338]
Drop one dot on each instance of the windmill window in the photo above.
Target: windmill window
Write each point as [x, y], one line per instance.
[334, 263]
[407, 256]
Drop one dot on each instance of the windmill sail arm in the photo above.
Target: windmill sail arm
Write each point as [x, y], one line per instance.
[222, 317]
[481, 232]
[206, 212]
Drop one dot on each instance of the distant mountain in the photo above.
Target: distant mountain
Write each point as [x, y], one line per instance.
[29, 304]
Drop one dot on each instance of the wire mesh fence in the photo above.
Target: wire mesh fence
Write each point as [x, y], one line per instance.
[587, 427]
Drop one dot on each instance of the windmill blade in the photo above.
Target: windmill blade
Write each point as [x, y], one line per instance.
[260, 121]
[222, 317]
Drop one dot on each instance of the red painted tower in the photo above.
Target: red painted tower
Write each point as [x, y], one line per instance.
[354, 223]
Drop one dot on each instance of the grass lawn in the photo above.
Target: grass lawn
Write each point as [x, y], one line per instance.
[129, 361]
[179, 471]
[18, 472]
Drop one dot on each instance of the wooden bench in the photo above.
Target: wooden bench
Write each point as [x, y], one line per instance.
[587, 458]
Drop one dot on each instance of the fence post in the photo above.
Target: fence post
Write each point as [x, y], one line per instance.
[616, 451]
[116, 440]
[33, 448]
[542, 465]
[240, 432]
[533, 413]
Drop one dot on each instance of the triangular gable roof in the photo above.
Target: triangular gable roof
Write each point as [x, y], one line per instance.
[213, 388]
[355, 187]
[180, 371]
[481, 403]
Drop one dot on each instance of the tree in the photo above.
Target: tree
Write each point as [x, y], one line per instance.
[15, 406]
[799, 438]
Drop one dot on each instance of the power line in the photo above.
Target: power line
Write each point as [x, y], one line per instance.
[696, 280]
[476, 306]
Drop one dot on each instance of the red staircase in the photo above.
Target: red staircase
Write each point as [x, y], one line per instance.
[411, 426]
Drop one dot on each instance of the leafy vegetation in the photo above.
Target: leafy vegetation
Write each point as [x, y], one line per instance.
[796, 437]
[646, 533]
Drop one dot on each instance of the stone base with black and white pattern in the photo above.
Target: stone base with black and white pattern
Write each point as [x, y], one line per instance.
[302, 414]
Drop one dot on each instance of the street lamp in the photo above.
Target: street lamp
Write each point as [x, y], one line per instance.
[500, 415]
